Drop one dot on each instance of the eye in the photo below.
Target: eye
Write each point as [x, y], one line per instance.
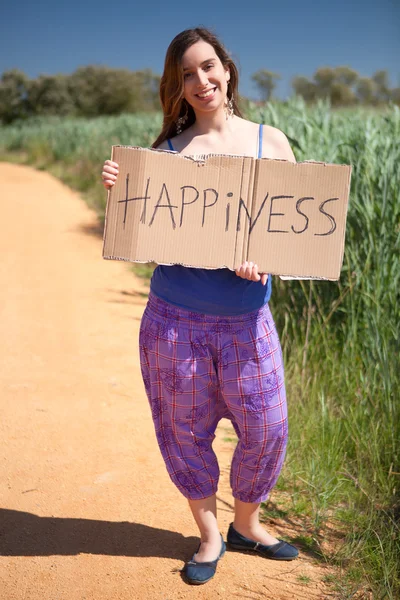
[186, 75]
[208, 67]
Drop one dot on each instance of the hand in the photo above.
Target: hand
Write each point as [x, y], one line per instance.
[109, 173]
[249, 270]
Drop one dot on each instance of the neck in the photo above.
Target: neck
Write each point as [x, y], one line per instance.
[207, 122]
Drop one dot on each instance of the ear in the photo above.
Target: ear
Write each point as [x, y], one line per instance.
[227, 74]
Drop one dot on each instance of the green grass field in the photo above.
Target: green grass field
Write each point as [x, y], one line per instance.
[340, 340]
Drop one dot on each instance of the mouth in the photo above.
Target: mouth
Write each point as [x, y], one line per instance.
[206, 94]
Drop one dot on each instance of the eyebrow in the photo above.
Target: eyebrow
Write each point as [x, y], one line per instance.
[203, 63]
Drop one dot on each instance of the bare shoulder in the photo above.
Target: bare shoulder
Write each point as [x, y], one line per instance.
[245, 126]
[276, 144]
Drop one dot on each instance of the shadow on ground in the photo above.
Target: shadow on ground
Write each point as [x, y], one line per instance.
[26, 534]
[95, 229]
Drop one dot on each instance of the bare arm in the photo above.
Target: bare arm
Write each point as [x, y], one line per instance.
[276, 145]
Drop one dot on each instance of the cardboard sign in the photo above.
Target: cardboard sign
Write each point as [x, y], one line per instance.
[218, 211]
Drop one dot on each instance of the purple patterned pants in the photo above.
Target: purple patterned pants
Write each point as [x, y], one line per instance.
[200, 368]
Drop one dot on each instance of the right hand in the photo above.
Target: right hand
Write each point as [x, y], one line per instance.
[109, 173]
[249, 270]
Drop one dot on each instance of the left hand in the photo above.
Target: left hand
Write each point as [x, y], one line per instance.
[249, 270]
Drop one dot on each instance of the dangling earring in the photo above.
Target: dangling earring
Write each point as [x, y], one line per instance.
[181, 121]
[229, 104]
[230, 107]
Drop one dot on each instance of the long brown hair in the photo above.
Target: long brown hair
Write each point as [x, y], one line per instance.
[172, 83]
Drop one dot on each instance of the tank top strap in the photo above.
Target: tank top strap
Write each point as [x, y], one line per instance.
[260, 140]
[170, 146]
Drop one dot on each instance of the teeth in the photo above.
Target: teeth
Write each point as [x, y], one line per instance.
[206, 94]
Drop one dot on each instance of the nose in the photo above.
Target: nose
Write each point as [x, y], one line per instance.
[202, 79]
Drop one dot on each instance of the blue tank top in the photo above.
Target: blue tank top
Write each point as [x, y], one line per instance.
[210, 291]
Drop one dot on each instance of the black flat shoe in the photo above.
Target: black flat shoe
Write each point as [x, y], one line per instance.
[201, 572]
[280, 551]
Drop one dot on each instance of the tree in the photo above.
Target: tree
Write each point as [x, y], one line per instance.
[266, 82]
[395, 95]
[335, 84]
[346, 75]
[100, 90]
[342, 95]
[381, 79]
[324, 79]
[50, 95]
[13, 95]
[149, 83]
[305, 88]
[366, 90]
[105, 91]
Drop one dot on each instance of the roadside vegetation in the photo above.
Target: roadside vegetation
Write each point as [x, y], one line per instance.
[341, 341]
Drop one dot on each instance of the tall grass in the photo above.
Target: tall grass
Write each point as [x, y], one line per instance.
[342, 348]
[75, 149]
[340, 340]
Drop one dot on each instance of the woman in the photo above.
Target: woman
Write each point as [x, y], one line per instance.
[208, 344]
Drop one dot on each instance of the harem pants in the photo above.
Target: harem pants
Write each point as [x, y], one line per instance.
[200, 368]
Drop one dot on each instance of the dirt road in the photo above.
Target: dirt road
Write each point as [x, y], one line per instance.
[87, 509]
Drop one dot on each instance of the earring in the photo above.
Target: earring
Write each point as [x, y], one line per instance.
[229, 105]
[181, 121]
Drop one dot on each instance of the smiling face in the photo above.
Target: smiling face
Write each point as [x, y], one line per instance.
[205, 78]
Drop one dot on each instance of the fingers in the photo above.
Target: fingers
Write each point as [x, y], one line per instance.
[249, 270]
[109, 173]
[110, 163]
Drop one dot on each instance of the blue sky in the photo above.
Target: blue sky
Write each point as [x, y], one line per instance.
[290, 37]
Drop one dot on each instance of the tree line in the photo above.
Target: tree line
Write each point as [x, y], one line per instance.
[88, 92]
[95, 90]
[343, 86]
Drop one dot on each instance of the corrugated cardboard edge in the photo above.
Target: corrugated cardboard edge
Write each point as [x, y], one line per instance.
[106, 215]
[350, 167]
[203, 157]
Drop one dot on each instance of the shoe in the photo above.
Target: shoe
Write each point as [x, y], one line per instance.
[280, 551]
[201, 572]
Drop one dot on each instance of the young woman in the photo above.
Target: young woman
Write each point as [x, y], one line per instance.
[208, 343]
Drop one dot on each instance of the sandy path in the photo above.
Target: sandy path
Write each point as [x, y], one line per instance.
[87, 509]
